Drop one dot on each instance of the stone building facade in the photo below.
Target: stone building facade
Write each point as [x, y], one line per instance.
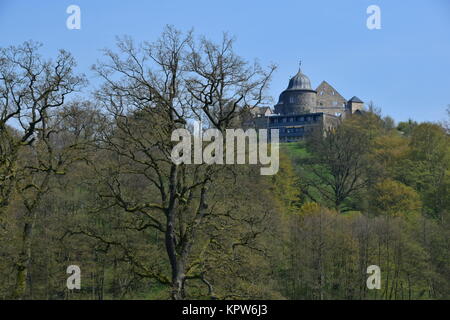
[329, 100]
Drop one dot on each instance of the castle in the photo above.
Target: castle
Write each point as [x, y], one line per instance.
[301, 110]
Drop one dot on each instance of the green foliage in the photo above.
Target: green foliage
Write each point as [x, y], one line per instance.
[398, 220]
[394, 198]
[406, 127]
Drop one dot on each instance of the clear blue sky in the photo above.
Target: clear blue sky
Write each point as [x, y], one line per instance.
[404, 67]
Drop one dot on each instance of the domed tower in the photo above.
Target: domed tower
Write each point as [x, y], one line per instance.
[298, 97]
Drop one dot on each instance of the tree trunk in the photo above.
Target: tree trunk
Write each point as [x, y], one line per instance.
[176, 264]
[23, 261]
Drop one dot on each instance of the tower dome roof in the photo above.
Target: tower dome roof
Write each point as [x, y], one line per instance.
[299, 82]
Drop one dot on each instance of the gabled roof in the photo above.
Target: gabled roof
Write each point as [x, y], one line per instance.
[325, 86]
[356, 99]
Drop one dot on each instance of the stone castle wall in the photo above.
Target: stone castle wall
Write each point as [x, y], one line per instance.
[296, 102]
[329, 100]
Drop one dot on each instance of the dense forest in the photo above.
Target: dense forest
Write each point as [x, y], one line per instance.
[86, 179]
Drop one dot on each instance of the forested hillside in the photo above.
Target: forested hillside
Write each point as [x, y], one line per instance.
[87, 180]
[370, 194]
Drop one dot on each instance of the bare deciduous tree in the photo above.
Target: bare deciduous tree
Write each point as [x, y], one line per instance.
[29, 87]
[339, 166]
[148, 92]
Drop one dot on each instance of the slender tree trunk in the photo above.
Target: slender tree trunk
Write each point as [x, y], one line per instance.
[176, 263]
[24, 261]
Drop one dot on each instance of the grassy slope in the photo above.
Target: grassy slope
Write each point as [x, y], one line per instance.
[295, 150]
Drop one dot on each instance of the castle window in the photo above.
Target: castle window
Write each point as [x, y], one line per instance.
[291, 100]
